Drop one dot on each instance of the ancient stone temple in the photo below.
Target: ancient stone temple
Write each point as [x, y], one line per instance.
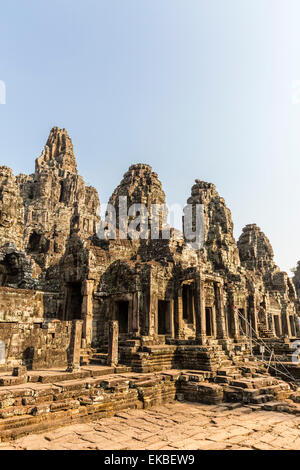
[71, 298]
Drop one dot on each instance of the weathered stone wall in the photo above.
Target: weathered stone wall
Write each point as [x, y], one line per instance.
[21, 305]
[36, 345]
[11, 210]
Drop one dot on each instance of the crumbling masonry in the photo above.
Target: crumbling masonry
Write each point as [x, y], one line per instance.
[68, 298]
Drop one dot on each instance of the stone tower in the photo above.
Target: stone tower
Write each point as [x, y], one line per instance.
[140, 185]
[219, 244]
[56, 201]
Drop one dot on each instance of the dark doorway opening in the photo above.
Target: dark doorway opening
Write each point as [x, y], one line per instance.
[122, 315]
[163, 317]
[74, 301]
[277, 325]
[38, 243]
[229, 323]
[292, 325]
[187, 303]
[28, 357]
[209, 321]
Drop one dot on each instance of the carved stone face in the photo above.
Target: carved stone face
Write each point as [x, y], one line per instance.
[13, 261]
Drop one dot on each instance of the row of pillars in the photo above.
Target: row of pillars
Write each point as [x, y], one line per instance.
[199, 312]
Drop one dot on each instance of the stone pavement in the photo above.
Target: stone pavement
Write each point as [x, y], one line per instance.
[188, 426]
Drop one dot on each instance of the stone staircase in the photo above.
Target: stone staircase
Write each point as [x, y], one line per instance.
[265, 332]
[283, 361]
[232, 385]
[93, 356]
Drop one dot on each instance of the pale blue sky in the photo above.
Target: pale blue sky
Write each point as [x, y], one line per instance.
[196, 88]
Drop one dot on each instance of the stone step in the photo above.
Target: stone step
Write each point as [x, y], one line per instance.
[262, 398]
[9, 380]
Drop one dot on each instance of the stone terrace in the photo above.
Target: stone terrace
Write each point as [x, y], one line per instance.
[184, 426]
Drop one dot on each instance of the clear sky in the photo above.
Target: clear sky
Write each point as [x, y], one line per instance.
[196, 88]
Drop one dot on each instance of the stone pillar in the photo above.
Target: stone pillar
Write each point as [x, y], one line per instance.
[267, 309]
[180, 313]
[221, 322]
[200, 311]
[75, 346]
[152, 315]
[113, 346]
[297, 325]
[246, 318]
[234, 314]
[136, 301]
[152, 307]
[286, 327]
[177, 322]
[171, 316]
[253, 309]
[87, 311]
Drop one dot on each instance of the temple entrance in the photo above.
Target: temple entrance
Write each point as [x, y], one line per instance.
[73, 301]
[292, 325]
[229, 323]
[187, 303]
[122, 308]
[277, 325]
[209, 321]
[164, 321]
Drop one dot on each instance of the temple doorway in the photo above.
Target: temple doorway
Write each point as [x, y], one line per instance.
[122, 308]
[73, 301]
[292, 325]
[187, 303]
[209, 321]
[164, 320]
[277, 325]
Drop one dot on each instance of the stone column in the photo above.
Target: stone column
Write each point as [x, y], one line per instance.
[221, 322]
[113, 346]
[136, 313]
[286, 327]
[171, 316]
[267, 309]
[253, 309]
[200, 311]
[246, 318]
[180, 313]
[87, 311]
[152, 314]
[75, 346]
[297, 326]
[152, 307]
[234, 314]
[177, 322]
